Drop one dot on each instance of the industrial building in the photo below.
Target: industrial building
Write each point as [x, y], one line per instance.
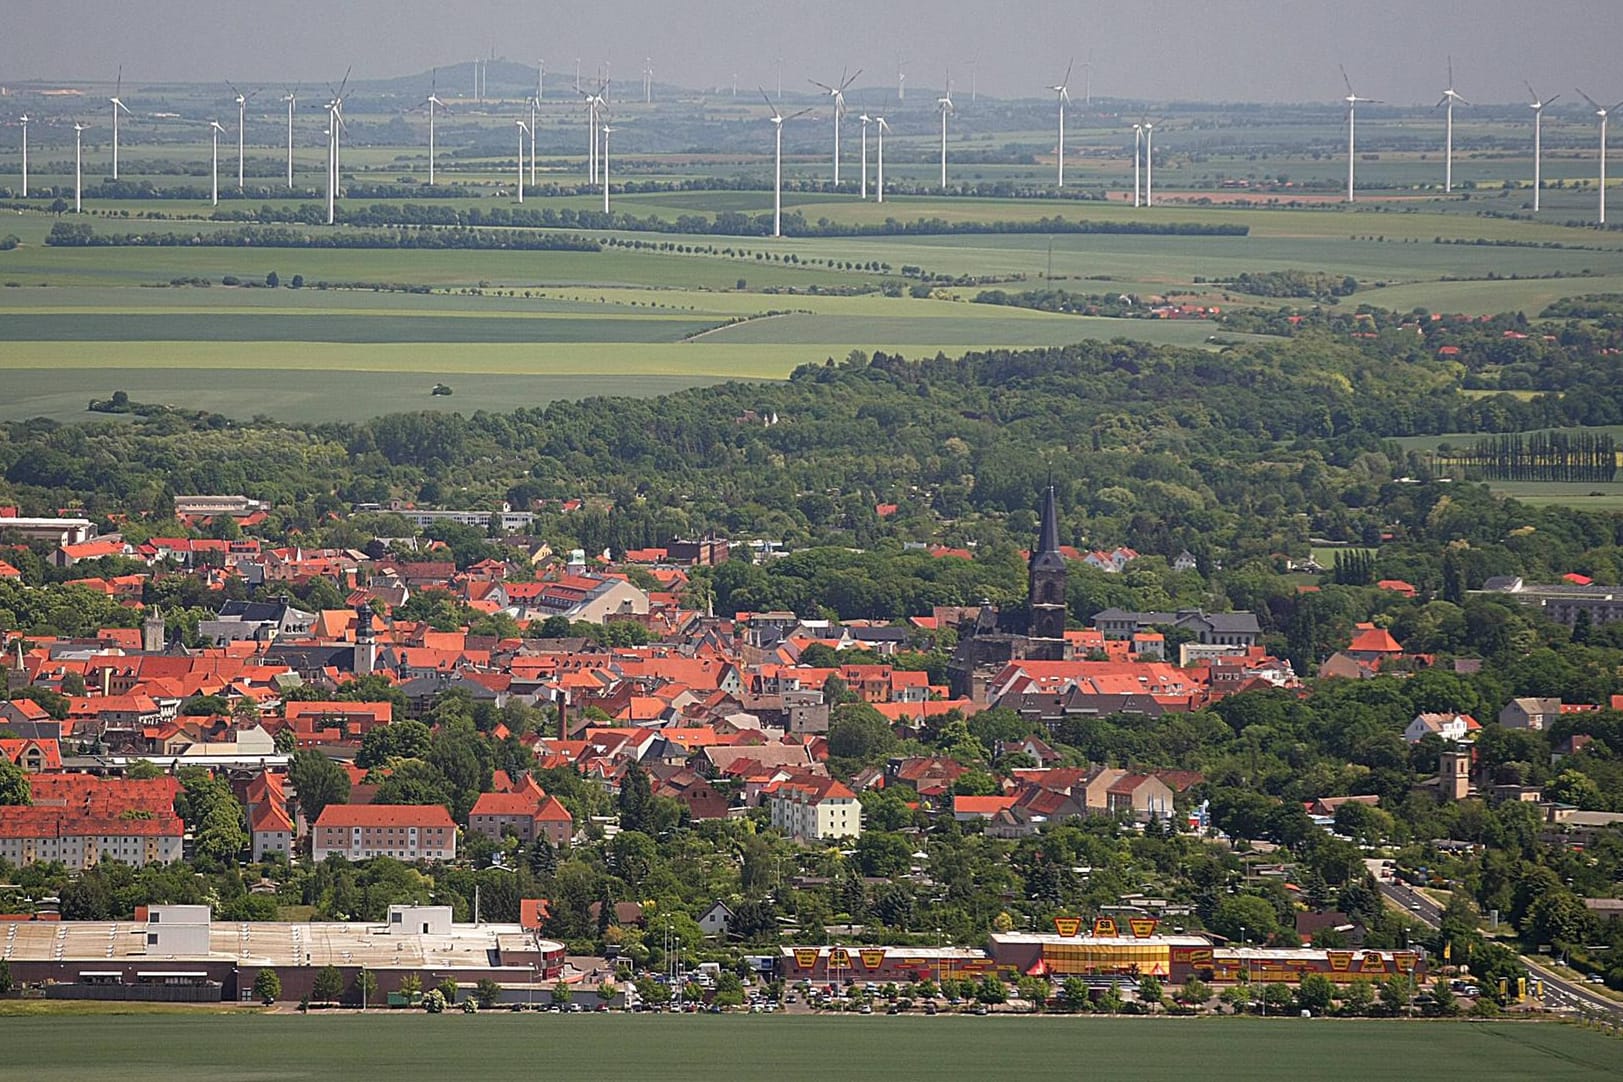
[179, 953]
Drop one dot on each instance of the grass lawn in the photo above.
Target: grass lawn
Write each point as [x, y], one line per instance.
[405, 1048]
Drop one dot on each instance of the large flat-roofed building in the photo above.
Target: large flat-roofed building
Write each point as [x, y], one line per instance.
[235, 506]
[1560, 602]
[181, 946]
[402, 831]
[1176, 958]
[62, 531]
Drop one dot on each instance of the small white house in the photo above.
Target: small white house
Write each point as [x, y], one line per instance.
[1456, 728]
[717, 920]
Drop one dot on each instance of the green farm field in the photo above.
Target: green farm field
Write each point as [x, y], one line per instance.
[707, 1049]
[656, 311]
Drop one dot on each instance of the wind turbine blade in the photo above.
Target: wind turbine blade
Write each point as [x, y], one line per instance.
[1067, 80]
[847, 84]
[824, 86]
[1553, 100]
[1589, 99]
[1531, 92]
[345, 83]
[1347, 80]
[1442, 101]
[796, 116]
[768, 101]
[1451, 73]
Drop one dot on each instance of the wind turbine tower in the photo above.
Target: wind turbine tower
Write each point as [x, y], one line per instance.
[944, 103]
[1603, 113]
[1537, 105]
[242, 118]
[837, 92]
[523, 130]
[214, 168]
[1353, 101]
[607, 130]
[24, 121]
[778, 120]
[292, 99]
[1063, 93]
[879, 120]
[1149, 163]
[1449, 98]
[866, 120]
[118, 104]
[1138, 162]
[434, 104]
[78, 167]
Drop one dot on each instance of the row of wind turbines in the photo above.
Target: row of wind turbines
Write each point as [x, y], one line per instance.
[1450, 98]
[596, 104]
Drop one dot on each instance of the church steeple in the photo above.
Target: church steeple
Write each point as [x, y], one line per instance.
[1047, 576]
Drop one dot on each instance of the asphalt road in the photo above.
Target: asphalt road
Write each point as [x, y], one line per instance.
[1559, 992]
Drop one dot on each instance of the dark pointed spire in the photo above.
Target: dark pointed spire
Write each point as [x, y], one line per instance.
[1048, 539]
[1047, 556]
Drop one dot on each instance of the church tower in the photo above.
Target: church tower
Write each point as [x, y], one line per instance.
[153, 637]
[366, 643]
[1047, 577]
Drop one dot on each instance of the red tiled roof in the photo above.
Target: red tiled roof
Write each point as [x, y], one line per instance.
[385, 815]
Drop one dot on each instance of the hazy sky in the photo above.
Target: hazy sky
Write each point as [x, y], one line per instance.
[1256, 50]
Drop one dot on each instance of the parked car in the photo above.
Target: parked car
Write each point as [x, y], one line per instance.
[1595, 978]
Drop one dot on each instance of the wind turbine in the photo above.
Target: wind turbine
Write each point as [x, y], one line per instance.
[335, 113]
[1138, 162]
[648, 80]
[866, 120]
[1602, 112]
[1063, 92]
[838, 94]
[1087, 80]
[879, 120]
[214, 168]
[778, 120]
[1149, 163]
[1353, 101]
[593, 101]
[901, 79]
[242, 117]
[535, 106]
[117, 102]
[944, 103]
[292, 99]
[974, 79]
[25, 155]
[1449, 98]
[523, 130]
[540, 79]
[1537, 105]
[78, 167]
[607, 128]
[434, 103]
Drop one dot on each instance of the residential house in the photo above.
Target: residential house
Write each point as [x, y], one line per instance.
[403, 831]
[526, 814]
[1452, 727]
[811, 808]
[1529, 713]
[717, 920]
